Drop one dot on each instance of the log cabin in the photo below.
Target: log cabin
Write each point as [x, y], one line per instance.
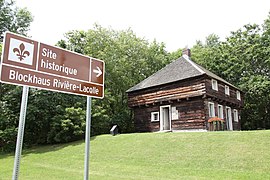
[185, 96]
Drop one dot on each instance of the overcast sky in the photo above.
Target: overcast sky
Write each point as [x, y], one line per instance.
[177, 23]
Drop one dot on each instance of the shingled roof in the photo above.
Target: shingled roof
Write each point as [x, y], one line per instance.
[180, 69]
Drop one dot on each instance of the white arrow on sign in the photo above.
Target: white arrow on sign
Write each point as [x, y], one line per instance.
[97, 71]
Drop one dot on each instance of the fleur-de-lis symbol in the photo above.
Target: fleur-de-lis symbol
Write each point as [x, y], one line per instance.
[21, 52]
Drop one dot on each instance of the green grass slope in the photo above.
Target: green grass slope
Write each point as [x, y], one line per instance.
[164, 156]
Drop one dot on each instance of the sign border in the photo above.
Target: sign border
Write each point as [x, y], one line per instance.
[50, 74]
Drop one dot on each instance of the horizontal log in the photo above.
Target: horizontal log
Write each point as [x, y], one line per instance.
[133, 102]
[169, 91]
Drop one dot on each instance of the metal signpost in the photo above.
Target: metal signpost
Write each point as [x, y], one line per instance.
[30, 63]
[20, 133]
[87, 139]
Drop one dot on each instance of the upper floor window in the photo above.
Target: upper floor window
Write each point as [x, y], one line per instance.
[211, 107]
[238, 95]
[227, 90]
[214, 84]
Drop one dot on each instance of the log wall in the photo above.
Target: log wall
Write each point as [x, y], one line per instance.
[191, 115]
[174, 91]
[220, 94]
[142, 119]
[190, 98]
[236, 125]
[220, 98]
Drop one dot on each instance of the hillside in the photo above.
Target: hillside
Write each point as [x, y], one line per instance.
[198, 155]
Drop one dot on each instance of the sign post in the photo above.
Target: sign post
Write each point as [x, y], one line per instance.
[30, 63]
[87, 138]
[19, 143]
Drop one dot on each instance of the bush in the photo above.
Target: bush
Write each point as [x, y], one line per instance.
[8, 139]
[67, 127]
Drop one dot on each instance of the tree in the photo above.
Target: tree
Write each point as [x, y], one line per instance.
[55, 117]
[243, 59]
[129, 59]
[67, 127]
[13, 19]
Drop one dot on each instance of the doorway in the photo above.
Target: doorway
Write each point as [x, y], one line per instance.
[229, 118]
[165, 118]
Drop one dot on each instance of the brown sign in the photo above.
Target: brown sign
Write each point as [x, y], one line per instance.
[28, 62]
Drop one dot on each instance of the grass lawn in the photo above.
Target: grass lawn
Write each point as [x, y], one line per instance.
[197, 155]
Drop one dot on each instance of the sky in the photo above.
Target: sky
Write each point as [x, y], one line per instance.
[177, 23]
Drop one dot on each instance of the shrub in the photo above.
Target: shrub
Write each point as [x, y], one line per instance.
[67, 127]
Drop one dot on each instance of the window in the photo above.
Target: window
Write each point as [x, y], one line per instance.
[175, 115]
[211, 107]
[238, 96]
[154, 116]
[227, 90]
[214, 84]
[220, 111]
[235, 115]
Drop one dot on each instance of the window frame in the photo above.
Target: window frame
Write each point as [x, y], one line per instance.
[153, 116]
[222, 112]
[214, 84]
[238, 95]
[235, 115]
[227, 90]
[209, 109]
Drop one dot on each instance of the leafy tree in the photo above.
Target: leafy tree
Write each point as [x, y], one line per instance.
[67, 127]
[243, 59]
[43, 108]
[248, 67]
[176, 54]
[128, 59]
[13, 19]
[212, 40]
[56, 117]
[9, 119]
